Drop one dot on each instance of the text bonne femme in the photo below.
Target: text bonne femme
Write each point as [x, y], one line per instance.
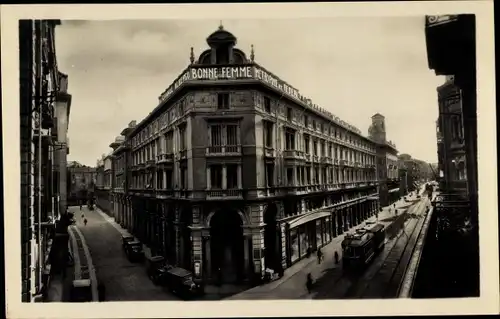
[230, 73]
[242, 72]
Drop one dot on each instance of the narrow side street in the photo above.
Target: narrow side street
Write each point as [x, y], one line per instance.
[124, 280]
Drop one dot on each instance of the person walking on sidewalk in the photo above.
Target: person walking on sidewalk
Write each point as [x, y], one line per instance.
[336, 256]
[85, 221]
[319, 254]
[309, 283]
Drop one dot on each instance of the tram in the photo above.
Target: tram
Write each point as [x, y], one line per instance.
[359, 248]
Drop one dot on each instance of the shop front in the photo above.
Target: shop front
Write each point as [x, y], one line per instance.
[393, 195]
[310, 231]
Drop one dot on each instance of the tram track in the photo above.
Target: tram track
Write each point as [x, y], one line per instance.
[380, 280]
[343, 285]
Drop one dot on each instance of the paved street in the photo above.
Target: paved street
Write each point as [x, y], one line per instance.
[124, 281]
[292, 284]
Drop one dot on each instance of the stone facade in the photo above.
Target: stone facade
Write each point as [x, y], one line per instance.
[234, 171]
[44, 111]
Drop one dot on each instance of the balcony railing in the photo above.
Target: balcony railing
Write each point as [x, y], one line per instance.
[224, 193]
[223, 150]
[269, 152]
[165, 158]
[150, 163]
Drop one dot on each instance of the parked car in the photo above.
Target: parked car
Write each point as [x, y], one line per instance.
[180, 281]
[133, 250]
[156, 266]
[126, 239]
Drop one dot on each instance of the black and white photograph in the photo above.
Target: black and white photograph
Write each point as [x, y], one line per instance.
[280, 159]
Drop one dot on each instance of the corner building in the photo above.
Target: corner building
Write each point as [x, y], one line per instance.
[234, 171]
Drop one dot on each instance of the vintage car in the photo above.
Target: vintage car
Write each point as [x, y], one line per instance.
[156, 266]
[180, 281]
[133, 250]
[126, 239]
[81, 291]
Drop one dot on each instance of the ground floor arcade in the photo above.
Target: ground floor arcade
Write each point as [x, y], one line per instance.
[235, 241]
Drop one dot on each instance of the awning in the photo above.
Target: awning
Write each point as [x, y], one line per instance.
[307, 218]
[394, 190]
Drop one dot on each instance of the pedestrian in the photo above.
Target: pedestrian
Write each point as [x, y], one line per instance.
[83, 215]
[319, 254]
[309, 283]
[308, 252]
[85, 221]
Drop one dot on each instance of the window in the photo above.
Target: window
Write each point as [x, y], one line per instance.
[307, 144]
[183, 178]
[183, 140]
[268, 134]
[267, 104]
[289, 176]
[223, 101]
[323, 148]
[169, 179]
[216, 137]
[289, 139]
[181, 107]
[289, 114]
[313, 124]
[232, 176]
[159, 179]
[315, 147]
[216, 176]
[306, 121]
[270, 175]
[169, 142]
[231, 135]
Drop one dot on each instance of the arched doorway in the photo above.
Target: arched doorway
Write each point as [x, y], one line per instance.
[227, 251]
[271, 238]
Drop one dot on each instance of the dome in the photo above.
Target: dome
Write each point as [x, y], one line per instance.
[221, 36]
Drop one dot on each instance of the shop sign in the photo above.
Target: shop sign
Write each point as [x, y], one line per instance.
[278, 84]
[209, 73]
[236, 73]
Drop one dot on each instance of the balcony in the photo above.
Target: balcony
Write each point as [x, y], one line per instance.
[342, 162]
[326, 160]
[183, 154]
[165, 158]
[164, 193]
[269, 152]
[291, 154]
[224, 194]
[227, 150]
[150, 163]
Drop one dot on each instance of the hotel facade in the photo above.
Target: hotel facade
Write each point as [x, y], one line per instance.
[235, 171]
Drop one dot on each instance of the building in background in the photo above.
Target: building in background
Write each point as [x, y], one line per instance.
[44, 112]
[417, 171]
[450, 260]
[103, 193]
[235, 171]
[81, 183]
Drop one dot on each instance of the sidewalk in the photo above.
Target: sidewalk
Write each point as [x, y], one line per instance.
[292, 284]
[120, 229]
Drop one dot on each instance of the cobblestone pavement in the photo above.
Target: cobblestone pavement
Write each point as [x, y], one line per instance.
[124, 281]
[292, 284]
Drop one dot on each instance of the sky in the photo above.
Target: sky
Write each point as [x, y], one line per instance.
[354, 67]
